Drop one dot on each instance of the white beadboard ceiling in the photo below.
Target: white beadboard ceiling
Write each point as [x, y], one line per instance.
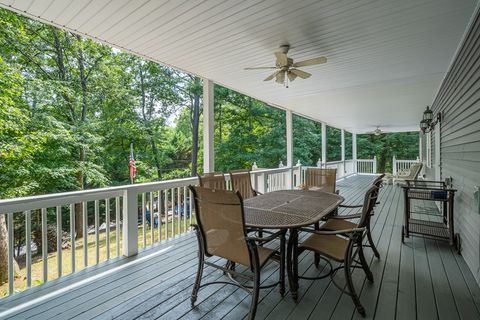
[386, 59]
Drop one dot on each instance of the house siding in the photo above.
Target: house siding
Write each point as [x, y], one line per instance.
[459, 101]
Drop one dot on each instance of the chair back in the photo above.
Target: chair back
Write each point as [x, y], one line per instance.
[242, 182]
[213, 180]
[415, 170]
[378, 181]
[221, 223]
[323, 179]
[369, 202]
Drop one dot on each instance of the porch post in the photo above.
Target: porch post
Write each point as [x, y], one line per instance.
[354, 152]
[130, 222]
[208, 149]
[289, 133]
[324, 142]
[343, 149]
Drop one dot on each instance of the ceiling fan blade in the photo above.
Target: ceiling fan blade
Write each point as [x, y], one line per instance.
[270, 77]
[310, 62]
[280, 77]
[282, 59]
[259, 68]
[291, 76]
[300, 73]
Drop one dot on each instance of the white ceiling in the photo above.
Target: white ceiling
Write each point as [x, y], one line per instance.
[386, 59]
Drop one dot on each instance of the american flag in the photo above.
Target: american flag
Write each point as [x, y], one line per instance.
[131, 165]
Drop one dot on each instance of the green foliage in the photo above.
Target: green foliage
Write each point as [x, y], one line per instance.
[307, 141]
[334, 144]
[247, 131]
[404, 145]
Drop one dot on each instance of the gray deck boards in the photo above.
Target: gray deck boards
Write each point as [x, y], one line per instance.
[422, 279]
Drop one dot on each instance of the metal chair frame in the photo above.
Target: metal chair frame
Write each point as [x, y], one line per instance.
[229, 269]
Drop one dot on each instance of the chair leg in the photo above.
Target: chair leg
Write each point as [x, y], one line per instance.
[316, 256]
[255, 293]
[351, 289]
[364, 263]
[372, 244]
[282, 264]
[198, 278]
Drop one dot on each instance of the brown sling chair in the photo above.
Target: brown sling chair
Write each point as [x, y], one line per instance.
[343, 246]
[221, 232]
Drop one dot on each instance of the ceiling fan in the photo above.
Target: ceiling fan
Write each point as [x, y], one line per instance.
[287, 70]
[376, 132]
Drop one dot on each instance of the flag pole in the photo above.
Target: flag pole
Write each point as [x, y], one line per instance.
[131, 165]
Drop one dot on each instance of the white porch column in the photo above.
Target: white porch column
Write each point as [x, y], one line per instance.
[324, 142]
[342, 150]
[289, 133]
[208, 149]
[130, 223]
[354, 152]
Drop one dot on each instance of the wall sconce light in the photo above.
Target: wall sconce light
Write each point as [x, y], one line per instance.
[429, 121]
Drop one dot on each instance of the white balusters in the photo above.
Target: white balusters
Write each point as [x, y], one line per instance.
[72, 236]
[85, 233]
[59, 241]
[44, 244]
[97, 234]
[10, 252]
[28, 240]
[107, 227]
[117, 224]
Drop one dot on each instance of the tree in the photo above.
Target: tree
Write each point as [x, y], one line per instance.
[404, 145]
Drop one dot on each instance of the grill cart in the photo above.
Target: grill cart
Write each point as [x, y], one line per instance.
[423, 217]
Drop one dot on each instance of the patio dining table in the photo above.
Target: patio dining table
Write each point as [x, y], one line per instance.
[290, 209]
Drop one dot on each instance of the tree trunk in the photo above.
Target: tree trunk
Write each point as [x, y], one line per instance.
[82, 155]
[4, 252]
[195, 124]
[146, 123]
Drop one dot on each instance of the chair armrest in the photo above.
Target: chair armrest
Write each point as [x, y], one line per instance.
[336, 232]
[257, 192]
[350, 206]
[266, 239]
[347, 217]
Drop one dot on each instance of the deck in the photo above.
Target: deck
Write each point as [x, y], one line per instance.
[423, 279]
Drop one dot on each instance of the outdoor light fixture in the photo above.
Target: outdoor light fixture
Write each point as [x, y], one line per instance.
[428, 122]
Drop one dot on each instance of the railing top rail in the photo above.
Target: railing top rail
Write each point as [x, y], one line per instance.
[65, 198]
[274, 170]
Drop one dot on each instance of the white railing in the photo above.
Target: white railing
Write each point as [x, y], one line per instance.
[367, 165]
[162, 210]
[267, 180]
[115, 221]
[402, 165]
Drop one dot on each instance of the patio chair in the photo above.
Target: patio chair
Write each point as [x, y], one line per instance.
[221, 232]
[317, 179]
[343, 246]
[412, 173]
[242, 182]
[341, 222]
[213, 180]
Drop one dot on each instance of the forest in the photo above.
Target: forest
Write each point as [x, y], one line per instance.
[70, 108]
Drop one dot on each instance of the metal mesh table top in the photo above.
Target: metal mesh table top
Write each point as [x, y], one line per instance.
[289, 208]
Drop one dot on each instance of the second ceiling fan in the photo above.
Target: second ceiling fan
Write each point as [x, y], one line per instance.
[287, 70]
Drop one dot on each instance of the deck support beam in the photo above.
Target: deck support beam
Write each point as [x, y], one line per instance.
[208, 148]
[342, 151]
[324, 143]
[354, 152]
[289, 133]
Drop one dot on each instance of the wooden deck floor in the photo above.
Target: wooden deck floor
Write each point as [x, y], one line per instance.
[423, 279]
